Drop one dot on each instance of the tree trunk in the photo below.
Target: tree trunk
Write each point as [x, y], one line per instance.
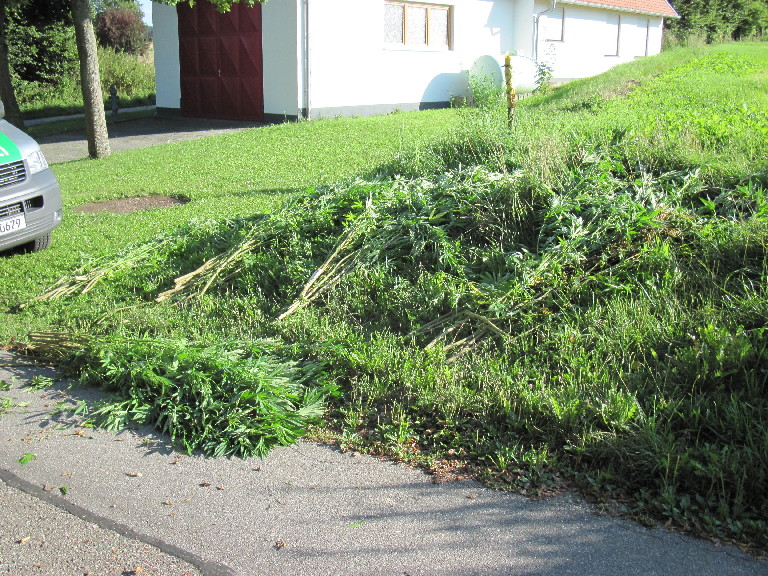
[7, 93]
[93, 101]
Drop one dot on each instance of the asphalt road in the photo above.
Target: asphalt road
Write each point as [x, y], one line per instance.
[93, 502]
[138, 133]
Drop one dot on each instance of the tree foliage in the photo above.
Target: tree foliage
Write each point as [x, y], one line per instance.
[100, 6]
[718, 20]
[123, 30]
[41, 40]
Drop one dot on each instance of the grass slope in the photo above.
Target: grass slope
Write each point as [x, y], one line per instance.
[580, 296]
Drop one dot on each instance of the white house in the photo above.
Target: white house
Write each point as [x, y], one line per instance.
[319, 58]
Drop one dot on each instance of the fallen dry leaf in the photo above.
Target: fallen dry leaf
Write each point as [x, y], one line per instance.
[220, 488]
[168, 503]
[134, 474]
[279, 544]
[24, 540]
[471, 496]
[205, 484]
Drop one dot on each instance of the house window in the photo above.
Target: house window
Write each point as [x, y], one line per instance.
[555, 25]
[612, 34]
[416, 24]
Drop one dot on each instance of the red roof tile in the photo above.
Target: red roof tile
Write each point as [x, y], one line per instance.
[656, 7]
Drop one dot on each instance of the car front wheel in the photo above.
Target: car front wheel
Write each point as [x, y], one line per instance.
[38, 244]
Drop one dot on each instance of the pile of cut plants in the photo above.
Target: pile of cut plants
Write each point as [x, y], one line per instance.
[579, 298]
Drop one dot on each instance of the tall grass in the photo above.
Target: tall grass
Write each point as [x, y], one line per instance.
[134, 78]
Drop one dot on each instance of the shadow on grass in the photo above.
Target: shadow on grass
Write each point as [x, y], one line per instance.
[336, 508]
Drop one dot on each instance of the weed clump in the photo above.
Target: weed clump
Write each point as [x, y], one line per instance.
[227, 398]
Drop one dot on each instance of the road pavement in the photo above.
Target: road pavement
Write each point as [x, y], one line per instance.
[137, 133]
[95, 502]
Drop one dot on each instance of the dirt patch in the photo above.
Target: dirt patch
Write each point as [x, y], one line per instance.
[128, 205]
[625, 89]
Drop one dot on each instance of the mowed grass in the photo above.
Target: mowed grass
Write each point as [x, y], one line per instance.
[227, 176]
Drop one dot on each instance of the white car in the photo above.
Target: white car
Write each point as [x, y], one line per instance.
[30, 196]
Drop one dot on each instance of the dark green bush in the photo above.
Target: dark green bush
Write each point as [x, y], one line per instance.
[122, 30]
[41, 52]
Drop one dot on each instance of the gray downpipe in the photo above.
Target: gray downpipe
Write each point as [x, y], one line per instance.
[307, 66]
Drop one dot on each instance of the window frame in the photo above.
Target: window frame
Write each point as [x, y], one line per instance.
[403, 44]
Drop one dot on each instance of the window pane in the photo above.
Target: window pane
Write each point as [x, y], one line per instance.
[438, 27]
[393, 23]
[417, 25]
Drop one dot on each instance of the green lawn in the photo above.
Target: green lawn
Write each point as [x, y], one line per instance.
[232, 175]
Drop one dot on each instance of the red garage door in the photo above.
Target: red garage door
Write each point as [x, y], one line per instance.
[221, 62]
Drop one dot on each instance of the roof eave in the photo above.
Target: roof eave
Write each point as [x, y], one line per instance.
[607, 7]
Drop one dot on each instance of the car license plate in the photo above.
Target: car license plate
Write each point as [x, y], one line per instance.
[12, 224]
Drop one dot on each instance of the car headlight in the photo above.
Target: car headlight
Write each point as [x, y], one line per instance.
[36, 161]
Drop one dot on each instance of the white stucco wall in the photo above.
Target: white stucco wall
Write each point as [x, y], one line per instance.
[591, 36]
[282, 55]
[353, 71]
[351, 66]
[166, 38]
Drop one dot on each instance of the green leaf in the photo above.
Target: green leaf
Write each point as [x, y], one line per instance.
[27, 458]
[40, 382]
